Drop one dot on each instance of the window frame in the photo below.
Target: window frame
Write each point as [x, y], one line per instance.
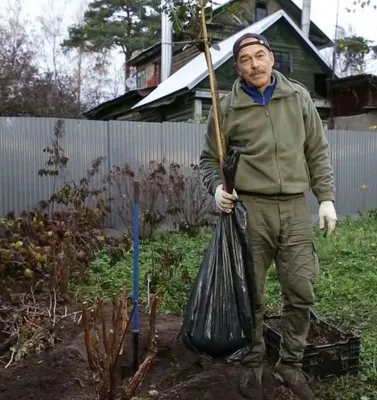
[260, 5]
[280, 50]
[141, 79]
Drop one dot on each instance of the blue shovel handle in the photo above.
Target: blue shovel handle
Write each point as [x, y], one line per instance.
[136, 231]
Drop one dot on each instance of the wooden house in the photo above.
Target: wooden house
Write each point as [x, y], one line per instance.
[177, 99]
[354, 103]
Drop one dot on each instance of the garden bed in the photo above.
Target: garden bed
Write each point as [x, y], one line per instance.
[58, 369]
[62, 373]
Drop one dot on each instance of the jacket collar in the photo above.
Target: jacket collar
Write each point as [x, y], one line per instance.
[259, 97]
[283, 89]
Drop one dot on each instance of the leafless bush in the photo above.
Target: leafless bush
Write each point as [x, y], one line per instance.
[189, 202]
[166, 190]
[153, 189]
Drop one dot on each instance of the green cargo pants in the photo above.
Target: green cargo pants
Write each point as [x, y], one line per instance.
[282, 231]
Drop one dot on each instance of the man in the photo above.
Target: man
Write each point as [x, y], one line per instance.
[273, 123]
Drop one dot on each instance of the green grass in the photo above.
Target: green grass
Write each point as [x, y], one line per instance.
[347, 297]
[171, 259]
[346, 292]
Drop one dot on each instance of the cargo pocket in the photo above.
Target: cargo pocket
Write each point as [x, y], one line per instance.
[316, 268]
[299, 261]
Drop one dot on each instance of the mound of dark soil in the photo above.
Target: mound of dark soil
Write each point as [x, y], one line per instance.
[62, 372]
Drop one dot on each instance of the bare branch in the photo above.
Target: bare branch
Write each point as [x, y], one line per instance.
[152, 351]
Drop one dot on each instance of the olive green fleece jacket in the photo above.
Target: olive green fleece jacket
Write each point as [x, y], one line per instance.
[283, 147]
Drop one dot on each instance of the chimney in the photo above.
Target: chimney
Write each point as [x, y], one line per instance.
[166, 45]
[305, 17]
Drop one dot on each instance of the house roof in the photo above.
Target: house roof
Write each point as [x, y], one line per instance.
[288, 5]
[144, 53]
[111, 109]
[361, 78]
[196, 70]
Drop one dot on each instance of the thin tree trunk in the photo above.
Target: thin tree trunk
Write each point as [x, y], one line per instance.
[126, 71]
[79, 78]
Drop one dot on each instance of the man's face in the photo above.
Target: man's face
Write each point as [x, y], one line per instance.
[254, 63]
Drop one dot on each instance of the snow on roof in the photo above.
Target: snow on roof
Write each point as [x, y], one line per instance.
[196, 70]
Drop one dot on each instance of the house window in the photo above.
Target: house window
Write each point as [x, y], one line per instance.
[260, 10]
[283, 62]
[141, 79]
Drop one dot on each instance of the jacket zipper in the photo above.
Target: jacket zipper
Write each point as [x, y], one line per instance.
[276, 149]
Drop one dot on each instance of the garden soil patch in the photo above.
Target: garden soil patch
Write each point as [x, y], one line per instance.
[62, 372]
[59, 373]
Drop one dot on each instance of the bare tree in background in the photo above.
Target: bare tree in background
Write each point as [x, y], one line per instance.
[361, 4]
[52, 29]
[25, 90]
[39, 78]
[354, 54]
[95, 74]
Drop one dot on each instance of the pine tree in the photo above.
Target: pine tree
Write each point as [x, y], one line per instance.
[127, 25]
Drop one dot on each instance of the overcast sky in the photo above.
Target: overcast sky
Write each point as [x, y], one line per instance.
[323, 13]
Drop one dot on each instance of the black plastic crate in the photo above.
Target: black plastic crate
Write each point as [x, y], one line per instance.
[322, 362]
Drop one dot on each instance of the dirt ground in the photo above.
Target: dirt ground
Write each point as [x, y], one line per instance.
[62, 372]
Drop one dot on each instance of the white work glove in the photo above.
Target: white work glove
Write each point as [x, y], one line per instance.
[224, 200]
[327, 217]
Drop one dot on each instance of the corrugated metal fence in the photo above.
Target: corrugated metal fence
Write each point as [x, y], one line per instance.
[22, 141]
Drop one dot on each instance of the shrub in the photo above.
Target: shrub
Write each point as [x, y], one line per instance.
[64, 234]
[167, 195]
[152, 195]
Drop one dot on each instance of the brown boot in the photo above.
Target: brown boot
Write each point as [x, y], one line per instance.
[251, 382]
[296, 380]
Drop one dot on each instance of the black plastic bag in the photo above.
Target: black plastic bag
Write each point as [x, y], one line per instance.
[219, 317]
